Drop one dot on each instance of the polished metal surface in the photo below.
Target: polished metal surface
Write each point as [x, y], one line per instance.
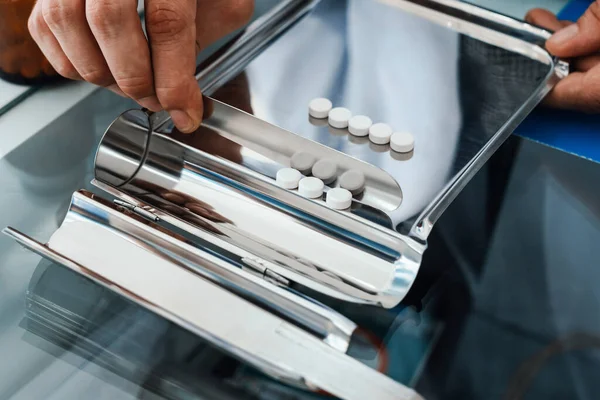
[235, 275]
[244, 213]
[228, 165]
[125, 150]
[249, 333]
[208, 200]
[276, 145]
[458, 77]
[515, 36]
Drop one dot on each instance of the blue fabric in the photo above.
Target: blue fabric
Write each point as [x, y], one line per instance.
[572, 132]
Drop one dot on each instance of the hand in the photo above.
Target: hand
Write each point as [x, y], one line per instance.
[236, 93]
[102, 42]
[580, 42]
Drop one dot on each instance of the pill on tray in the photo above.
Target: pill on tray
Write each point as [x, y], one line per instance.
[339, 117]
[380, 133]
[319, 108]
[402, 142]
[359, 125]
[325, 170]
[353, 180]
[339, 199]
[303, 162]
[311, 187]
[288, 178]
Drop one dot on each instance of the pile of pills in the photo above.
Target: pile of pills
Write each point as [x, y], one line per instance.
[361, 125]
[310, 175]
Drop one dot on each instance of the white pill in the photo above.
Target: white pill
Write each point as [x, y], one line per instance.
[319, 108]
[339, 117]
[339, 199]
[359, 125]
[288, 178]
[402, 142]
[380, 133]
[311, 187]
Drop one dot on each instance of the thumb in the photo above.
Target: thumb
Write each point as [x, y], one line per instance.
[579, 39]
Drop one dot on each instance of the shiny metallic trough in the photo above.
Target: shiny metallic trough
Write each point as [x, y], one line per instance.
[237, 326]
[238, 210]
[199, 233]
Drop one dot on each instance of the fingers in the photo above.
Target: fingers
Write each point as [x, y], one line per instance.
[578, 91]
[172, 33]
[544, 18]
[61, 30]
[579, 39]
[216, 19]
[116, 27]
[41, 33]
[585, 64]
[67, 22]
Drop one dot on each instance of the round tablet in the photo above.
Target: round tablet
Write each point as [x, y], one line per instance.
[402, 142]
[359, 125]
[325, 170]
[303, 162]
[380, 133]
[339, 117]
[288, 178]
[353, 180]
[319, 108]
[311, 187]
[339, 199]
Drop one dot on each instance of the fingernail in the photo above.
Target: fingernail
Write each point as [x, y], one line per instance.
[564, 35]
[151, 103]
[182, 121]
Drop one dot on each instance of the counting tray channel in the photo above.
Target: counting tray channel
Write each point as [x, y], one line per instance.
[271, 148]
[236, 209]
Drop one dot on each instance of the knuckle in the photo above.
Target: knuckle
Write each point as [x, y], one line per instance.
[100, 77]
[59, 13]
[106, 16]
[34, 23]
[65, 69]
[136, 87]
[165, 22]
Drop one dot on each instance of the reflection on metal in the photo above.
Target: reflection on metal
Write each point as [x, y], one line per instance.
[278, 145]
[517, 37]
[88, 214]
[168, 288]
[200, 234]
[486, 26]
[298, 238]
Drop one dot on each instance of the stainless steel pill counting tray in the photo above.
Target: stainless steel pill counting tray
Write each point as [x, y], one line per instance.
[194, 228]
